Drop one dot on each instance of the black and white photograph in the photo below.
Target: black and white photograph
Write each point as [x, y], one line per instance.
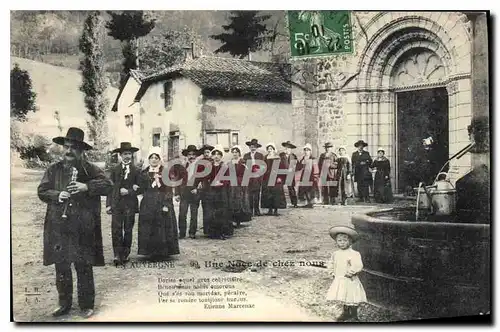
[250, 166]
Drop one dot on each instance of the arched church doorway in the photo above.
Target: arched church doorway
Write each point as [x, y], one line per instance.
[422, 131]
[414, 83]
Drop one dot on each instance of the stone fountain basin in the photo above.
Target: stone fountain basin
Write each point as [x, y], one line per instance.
[434, 268]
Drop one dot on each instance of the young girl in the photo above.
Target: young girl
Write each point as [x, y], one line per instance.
[344, 265]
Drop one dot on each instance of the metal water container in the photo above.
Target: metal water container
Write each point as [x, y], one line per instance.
[444, 198]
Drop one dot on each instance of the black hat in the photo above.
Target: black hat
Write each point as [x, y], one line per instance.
[190, 148]
[74, 135]
[288, 144]
[125, 146]
[328, 145]
[255, 142]
[206, 147]
[360, 142]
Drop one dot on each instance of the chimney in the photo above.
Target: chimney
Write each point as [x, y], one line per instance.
[189, 52]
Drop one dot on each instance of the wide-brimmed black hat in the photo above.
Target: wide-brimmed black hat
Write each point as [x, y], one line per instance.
[328, 145]
[288, 144]
[206, 147]
[75, 135]
[254, 141]
[360, 142]
[125, 146]
[190, 148]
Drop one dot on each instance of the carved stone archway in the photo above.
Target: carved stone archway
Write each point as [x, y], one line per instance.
[404, 53]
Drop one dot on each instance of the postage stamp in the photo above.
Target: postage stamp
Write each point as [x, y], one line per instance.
[314, 33]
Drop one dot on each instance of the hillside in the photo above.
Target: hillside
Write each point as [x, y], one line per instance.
[52, 36]
[57, 88]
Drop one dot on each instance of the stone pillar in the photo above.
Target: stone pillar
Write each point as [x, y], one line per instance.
[480, 84]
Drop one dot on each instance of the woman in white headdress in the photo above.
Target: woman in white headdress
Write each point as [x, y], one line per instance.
[347, 185]
[382, 183]
[158, 233]
[308, 165]
[220, 225]
[273, 194]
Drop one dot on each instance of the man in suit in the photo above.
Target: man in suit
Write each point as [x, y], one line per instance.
[255, 184]
[122, 202]
[361, 162]
[189, 193]
[291, 158]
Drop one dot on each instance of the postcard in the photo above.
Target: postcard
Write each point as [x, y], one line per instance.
[250, 166]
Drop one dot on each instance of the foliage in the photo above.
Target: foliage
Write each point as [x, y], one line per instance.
[94, 78]
[30, 147]
[128, 27]
[22, 96]
[246, 33]
[160, 52]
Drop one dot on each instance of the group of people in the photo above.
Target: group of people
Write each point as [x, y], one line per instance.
[72, 189]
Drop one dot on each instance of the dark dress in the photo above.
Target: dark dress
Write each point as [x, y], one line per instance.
[273, 194]
[239, 199]
[220, 224]
[382, 182]
[158, 234]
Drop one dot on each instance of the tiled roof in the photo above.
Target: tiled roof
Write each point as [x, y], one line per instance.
[229, 77]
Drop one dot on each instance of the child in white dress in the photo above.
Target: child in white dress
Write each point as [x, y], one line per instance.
[344, 265]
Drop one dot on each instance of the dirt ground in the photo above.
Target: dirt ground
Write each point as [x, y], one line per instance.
[278, 292]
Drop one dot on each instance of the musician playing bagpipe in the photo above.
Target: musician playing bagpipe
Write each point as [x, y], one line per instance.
[72, 189]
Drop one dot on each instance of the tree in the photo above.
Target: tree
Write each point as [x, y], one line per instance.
[22, 96]
[94, 78]
[128, 27]
[160, 52]
[246, 34]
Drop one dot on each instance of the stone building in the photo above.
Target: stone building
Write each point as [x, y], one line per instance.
[205, 100]
[411, 75]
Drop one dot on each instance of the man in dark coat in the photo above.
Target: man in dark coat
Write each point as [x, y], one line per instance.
[72, 189]
[205, 153]
[189, 193]
[291, 158]
[361, 162]
[122, 202]
[255, 184]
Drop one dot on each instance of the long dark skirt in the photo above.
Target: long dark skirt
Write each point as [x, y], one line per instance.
[239, 204]
[219, 214]
[158, 233]
[273, 197]
[382, 189]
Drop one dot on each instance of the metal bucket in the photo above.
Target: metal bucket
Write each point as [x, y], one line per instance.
[443, 202]
[423, 200]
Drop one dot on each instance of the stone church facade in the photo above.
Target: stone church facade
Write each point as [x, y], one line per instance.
[344, 98]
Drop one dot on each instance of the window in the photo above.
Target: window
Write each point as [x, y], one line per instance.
[156, 139]
[167, 93]
[234, 139]
[226, 138]
[129, 120]
[156, 136]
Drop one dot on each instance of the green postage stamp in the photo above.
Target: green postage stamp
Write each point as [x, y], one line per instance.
[314, 33]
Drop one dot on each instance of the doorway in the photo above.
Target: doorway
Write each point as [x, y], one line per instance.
[422, 136]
